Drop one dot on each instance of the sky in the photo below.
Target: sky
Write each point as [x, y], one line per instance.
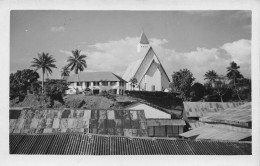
[196, 40]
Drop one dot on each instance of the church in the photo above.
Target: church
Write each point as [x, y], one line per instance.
[148, 71]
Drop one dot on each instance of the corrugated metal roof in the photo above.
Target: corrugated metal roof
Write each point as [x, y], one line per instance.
[239, 115]
[217, 133]
[94, 76]
[90, 144]
[165, 122]
[111, 122]
[201, 109]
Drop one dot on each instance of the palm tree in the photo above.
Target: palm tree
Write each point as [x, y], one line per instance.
[65, 71]
[133, 82]
[211, 76]
[44, 62]
[233, 74]
[77, 62]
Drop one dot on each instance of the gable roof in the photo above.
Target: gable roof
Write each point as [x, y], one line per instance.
[108, 122]
[94, 76]
[143, 39]
[92, 144]
[134, 68]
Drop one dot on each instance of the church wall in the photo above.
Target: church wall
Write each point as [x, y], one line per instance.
[164, 81]
[143, 67]
[153, 77]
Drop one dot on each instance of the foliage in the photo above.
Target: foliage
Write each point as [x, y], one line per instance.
[21, 81]
[44, 62]
[197, 91]
[182, 82]
[133, 82]
[55, 89]
[211, 77]
[234, 75]
[65, 71]
[77, 62]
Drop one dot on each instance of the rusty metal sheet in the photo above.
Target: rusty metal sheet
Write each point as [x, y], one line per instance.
[49, 122]
[64, 123]
[110, 114]
[19, 125]
[12, 123]
[14, 114]
[102, 114]
[70, 122]
[65, 114]
[78, 123]
[56, 123]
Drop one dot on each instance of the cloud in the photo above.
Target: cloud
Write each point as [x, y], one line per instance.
[57, 29]
[115, 56]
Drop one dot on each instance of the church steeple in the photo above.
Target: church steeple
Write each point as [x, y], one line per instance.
[143, 43]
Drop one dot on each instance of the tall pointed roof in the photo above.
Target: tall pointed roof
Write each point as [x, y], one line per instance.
[143, 39]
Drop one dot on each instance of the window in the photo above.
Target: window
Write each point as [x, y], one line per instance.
[87, 84]
[79, 83]
[112, 83]
[105, 83]
[153, 88]
[96, 83]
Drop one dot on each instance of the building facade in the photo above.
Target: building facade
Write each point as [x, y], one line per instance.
[96, 82]
[148, 71]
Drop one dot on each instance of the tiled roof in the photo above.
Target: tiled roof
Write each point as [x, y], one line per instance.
[239, 115]
[94, 76]
[201, 109]
[217, 133]
[143, 39]
[81, 144]
[110, 122]
[165, 122]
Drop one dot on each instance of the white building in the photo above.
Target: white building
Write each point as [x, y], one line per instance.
[96, 82]
[148, 70]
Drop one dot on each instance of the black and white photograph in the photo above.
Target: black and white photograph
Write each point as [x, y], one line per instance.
[133, 82]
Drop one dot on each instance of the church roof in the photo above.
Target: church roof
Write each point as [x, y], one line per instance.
[133, 67]
[143, 39]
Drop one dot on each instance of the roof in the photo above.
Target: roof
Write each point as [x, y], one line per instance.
[165, 122]
[108, 122]
[217, 133]
[131, 70]
[239, 115]
[201, 109]
[143, 39]
[91, 144]
[94, 76]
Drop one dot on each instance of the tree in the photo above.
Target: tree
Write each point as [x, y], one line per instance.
[221, 87]
[21, 81]
[211, 76]
[65, 71]
[197, 91]
[77, 63]
[234, 75]
[133, 82]
[44, 62]
[182, 82]
[55, 89]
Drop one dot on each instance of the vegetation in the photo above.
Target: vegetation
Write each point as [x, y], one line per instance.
[21, 81]
[65, 72]
[133, 82]
[181, 83]
[77, 63]
[44, 62]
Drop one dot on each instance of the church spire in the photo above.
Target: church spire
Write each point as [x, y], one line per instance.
[143, 39]
[143, 43]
